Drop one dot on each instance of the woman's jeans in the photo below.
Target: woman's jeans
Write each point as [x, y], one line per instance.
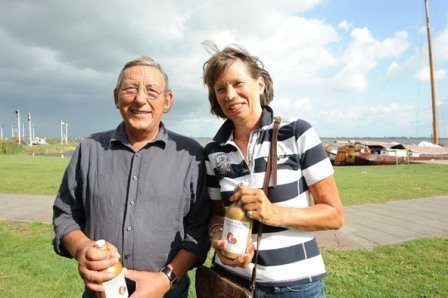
[312, 289]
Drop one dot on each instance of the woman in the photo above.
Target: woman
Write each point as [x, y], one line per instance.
[289, 264]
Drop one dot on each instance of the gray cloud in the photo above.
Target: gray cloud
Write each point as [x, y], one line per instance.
[60, 59]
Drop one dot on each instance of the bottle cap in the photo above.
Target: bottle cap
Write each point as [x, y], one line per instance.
[100, 243]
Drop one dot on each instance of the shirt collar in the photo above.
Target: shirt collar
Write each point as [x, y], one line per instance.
[225, 132]
[119, 135]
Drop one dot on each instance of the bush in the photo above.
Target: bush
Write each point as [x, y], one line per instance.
[10, 147]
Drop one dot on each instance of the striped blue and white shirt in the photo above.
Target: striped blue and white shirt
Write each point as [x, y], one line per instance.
[286, 256]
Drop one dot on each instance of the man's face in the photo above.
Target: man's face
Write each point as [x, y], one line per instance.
[141, 100]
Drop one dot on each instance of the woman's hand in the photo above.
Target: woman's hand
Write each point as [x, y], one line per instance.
[256, 204]
[241, 261]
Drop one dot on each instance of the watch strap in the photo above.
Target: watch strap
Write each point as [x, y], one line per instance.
[170, 274]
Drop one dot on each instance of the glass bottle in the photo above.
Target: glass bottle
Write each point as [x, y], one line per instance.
[237, 230]
[116, 287]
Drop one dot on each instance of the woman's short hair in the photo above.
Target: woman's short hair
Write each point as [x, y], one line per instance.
[145, 61]
[217, 64]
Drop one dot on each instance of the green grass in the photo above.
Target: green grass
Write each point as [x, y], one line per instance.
[374, 184]
[417, 268]
[23, 174]
[30, 268]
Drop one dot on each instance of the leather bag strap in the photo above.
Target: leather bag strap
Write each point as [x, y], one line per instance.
[271, 173]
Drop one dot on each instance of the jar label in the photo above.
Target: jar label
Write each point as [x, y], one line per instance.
[116, 288]
[236, 232]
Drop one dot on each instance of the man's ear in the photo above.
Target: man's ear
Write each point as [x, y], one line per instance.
[168, 101]
[116, 97]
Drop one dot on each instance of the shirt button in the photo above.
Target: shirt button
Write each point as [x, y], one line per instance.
[137, 155]
[128, 228]
[132, 202]
[135, 177]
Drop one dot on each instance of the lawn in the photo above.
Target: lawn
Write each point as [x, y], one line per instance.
[417, 268]
[24, 174]
[374, 184]
[29, 265]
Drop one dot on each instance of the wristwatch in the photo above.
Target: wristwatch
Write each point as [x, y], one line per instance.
[170, 274]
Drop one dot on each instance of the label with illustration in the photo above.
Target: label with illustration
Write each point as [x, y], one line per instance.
[235, 232]
[116, 288]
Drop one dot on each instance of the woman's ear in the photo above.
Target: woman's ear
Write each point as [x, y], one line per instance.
[261, 85]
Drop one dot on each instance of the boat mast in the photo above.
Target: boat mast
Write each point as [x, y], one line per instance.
[431, 74]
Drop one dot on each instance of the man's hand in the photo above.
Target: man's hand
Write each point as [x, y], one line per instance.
[92, 260]
[148, 284]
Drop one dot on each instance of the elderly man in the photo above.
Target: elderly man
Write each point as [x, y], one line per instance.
[141, 188]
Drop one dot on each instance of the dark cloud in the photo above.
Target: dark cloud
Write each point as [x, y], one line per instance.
[60, 59]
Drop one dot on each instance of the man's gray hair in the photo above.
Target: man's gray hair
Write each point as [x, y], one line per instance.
[146, 61]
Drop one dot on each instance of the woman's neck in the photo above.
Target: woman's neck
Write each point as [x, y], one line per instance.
[242, 130]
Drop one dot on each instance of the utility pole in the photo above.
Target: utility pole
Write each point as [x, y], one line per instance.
[30, 129]
[66, 133]
[62, 132]
[18, 125]
[1, 131]
[34, 132]
[431, 73]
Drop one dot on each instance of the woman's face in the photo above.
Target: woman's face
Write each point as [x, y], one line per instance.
[238, 93]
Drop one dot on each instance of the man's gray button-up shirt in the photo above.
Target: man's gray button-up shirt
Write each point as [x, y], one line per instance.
[149, 203]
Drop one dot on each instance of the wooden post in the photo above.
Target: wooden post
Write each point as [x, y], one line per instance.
[431, 74]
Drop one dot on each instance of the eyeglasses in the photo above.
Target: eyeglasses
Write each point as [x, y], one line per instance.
[132, 90]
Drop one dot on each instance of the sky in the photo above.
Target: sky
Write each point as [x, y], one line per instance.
[356, 68]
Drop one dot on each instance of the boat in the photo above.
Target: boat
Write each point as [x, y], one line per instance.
[345, 154]
[384, 153]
